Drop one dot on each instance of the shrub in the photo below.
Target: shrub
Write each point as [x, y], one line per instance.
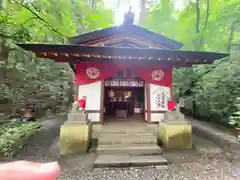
[13, 136]
[234, 120]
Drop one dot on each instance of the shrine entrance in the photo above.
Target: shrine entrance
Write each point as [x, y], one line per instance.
[124, 98]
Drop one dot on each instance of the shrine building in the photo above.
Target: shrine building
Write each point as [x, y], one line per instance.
[125, 72]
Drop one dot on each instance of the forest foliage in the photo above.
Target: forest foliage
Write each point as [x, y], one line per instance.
[27, 80]
[203, 25]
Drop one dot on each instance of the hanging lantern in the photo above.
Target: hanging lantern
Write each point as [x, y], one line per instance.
[125, 73]
[111, 93]
[126, 95]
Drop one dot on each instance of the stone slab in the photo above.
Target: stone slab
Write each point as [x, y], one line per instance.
[148, 160]
[176, 122]
[128, 160]
[143, 149]
[112, 161]
[77, 116]
[124, 128]
[77, 122]
[108, 139]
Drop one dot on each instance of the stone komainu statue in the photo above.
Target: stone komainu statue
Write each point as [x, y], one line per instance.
[75, 106]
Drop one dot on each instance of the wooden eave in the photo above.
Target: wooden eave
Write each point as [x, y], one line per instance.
[75, 54]
[128, 30]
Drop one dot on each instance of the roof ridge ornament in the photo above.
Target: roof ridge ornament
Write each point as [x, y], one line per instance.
[129, 17]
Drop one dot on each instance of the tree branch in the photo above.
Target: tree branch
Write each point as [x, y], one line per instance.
[28, 21]
[72, 66]
[38, 17]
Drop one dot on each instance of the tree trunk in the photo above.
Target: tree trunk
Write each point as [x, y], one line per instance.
[2, 4]
[205, 23]
[231, 34]
[197, 16]
[143, 12]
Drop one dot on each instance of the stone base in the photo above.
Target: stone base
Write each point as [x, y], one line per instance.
[176, 135]
[77, 116]
[75, 137]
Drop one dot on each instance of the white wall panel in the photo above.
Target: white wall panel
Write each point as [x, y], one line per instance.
[93, 93]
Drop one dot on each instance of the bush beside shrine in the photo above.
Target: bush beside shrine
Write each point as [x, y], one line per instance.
[14, 135]
[234, 120]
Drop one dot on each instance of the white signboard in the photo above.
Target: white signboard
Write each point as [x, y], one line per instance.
[124, 83]
[159, 96]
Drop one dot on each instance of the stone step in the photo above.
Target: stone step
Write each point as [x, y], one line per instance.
[122, 129]
[128, 160]
[136, 149]
[108, 139]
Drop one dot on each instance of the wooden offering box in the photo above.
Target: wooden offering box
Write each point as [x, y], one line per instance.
[121, 114]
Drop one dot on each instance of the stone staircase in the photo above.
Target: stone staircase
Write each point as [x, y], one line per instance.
[128, 145]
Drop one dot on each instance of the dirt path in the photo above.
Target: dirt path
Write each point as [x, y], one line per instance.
[43, 147]
[217, 135]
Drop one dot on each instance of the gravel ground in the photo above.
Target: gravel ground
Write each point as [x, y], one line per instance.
[208, 166]
[44, 148]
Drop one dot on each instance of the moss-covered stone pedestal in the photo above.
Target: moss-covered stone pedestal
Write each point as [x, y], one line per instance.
[75, 134]
[175, 132]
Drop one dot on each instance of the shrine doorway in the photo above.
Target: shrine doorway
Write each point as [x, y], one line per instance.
[124, 98]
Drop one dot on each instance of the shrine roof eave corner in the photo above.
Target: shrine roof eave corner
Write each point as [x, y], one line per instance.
[129, 30]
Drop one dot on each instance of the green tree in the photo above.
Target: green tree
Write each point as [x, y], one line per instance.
[207, 26]
[27, 79]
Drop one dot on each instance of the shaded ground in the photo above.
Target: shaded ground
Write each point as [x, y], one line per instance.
[44, 145]
[210, 162]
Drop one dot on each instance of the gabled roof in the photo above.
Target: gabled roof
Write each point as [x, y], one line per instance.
[127, 30]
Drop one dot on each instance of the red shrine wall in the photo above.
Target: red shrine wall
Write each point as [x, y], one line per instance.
[90, 77]
[87, 73]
